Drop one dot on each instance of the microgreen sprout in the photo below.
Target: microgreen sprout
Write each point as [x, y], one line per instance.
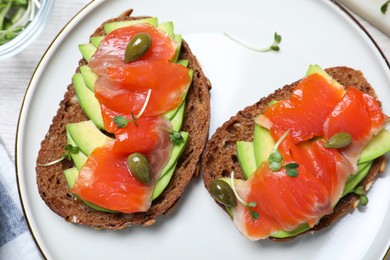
[275, 159]
[175, 137]
[121, 121]
[359, 190]
[248, 206]
[273, 47]
[384, 7]
[69, 150]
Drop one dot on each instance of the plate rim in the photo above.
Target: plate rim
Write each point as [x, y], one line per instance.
[67, 28]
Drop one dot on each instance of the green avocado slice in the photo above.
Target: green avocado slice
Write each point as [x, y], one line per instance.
[89, 76]
[109, 27]
[263, 144]
[246, 157]
[167, 27]
[88, 101]
[96, 40]
[87, 136]
[79, 158]
[378, 145]
[87, 50]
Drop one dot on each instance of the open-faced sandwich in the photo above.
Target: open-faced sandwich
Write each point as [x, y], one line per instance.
[300, 158]
[132, 124]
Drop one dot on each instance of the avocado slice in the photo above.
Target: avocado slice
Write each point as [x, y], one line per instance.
[378, 145]
[263, 144]
[167, 172]
[87, 50]
[246, 157]
[167, 27]
[354, 180]
[109, 27]
[71, 175]
[177, 120]
[89, 76]
[87, 136]
[79, 158]
[179, 39]
[96, 40]
[317, 69]
[88, 101]
[183, 62]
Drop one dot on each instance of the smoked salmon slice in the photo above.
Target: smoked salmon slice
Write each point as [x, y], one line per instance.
[305, 111]
[106, 181]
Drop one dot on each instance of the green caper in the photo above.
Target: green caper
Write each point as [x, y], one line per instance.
[222, 192]
[137, 47]
[139, 167]
[339, 140]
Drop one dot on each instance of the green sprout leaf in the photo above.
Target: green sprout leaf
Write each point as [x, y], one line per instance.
[120, 121]
[69, 150]
[176, 137]
[273, 47]
[384, 7]
[275, 159]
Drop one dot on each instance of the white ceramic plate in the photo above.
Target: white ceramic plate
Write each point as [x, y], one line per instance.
[313, 32]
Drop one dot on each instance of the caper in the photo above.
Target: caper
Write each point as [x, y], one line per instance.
[137, 47]
[139, 167]
[222, 192]
[339, 140]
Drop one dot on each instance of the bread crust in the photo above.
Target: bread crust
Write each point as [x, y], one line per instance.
[220, 157]
[51, 181]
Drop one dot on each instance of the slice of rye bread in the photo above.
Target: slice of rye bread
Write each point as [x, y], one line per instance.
[220, 157]
[52, 184]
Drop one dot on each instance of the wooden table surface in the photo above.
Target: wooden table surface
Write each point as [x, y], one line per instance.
[16, 72]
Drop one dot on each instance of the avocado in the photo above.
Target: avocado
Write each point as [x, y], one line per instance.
[96, 40]
[89, 76]
[71, 175]
[79, 158]
[378, 145]
[354, 180]
[88, 101]
[317, 69]
[183, 62]
[177, 120]
[167, 172]
[87, 50]
[298, 230]
[246, 157]
[109, 27]
[167, 27]
[87, 136]
[179, 39]
[263, 144]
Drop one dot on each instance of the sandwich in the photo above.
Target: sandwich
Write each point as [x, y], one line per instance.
[301, 158]
[128, 135]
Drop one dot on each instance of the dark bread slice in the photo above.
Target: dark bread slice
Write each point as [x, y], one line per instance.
[52, 184]
[220, 157]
